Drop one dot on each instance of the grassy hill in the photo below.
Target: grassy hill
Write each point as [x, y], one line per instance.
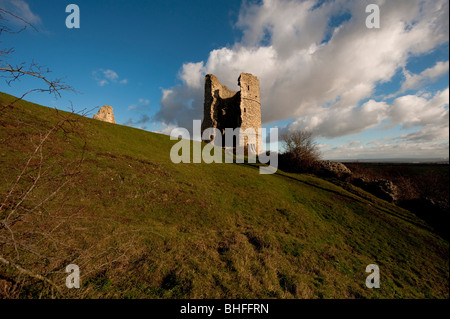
[107, 198]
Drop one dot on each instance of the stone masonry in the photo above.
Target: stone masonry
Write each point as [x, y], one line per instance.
[224, 108]
[105, 114]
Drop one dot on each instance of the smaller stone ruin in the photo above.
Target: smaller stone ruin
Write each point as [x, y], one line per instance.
[105, 114]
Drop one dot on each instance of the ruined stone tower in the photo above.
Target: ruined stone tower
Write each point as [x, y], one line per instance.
[224, 108]
[105, 114]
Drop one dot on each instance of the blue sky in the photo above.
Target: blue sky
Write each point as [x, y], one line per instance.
[143, 42]
[364, 93]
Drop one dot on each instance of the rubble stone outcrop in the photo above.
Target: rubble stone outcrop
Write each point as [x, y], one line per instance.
[382, 188]
[336, 169]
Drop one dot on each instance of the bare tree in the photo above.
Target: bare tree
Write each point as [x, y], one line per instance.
[11, 73]
[41, 230]
[23, 220]
[302, 153]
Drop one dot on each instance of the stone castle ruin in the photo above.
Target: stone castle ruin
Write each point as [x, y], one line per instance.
[224, 108]
[105, 114]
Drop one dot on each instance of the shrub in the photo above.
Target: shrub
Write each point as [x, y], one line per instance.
[302, 154]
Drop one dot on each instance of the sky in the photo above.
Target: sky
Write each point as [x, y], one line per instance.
[363, 93]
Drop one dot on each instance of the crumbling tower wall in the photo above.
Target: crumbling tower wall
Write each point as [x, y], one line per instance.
[224, 108]
[250, 106]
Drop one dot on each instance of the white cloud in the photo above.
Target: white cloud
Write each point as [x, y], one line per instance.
[110, 75]
[141, 105]
[343, 121]
[428, 115]
[408, 111]
[144, 118]
[415, 81]
[192, 74]
[21, 9]
[412, 110]
[104, 77]
[144, 101]
[426, 134]
[389, 149]
[318, 73]
[167, 130]
[284, 44]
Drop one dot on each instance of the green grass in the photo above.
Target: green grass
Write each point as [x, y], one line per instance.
[148, 228]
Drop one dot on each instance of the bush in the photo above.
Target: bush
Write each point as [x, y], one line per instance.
[302, 154]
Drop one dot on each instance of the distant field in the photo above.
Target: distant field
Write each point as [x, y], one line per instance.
[423, 188]
[397, 169]
[425, 180]
[107, 198]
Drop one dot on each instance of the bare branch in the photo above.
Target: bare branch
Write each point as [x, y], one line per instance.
[28, 272]
[13, 73]
[5, 28]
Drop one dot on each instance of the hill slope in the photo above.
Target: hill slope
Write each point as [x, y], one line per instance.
[139, 226]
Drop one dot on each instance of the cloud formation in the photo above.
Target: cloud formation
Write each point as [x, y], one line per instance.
[427, 115]
[415, 81]
[21, 9]
[144, 118]
[104, 77]
[142, 104]
[317, 62]
[386, 148]
[408, 111]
